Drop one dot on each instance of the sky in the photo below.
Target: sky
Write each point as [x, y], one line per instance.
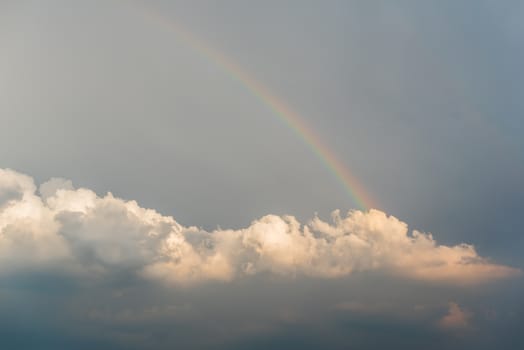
[261, 174]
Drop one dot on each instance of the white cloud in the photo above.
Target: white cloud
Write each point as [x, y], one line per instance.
[97, 236]
[49, 188]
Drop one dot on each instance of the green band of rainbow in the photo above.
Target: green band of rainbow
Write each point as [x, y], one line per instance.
[292, 119]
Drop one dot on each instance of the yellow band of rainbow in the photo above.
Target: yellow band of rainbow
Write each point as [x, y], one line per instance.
[278, 107]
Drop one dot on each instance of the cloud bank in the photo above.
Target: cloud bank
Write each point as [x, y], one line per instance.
[76, 232]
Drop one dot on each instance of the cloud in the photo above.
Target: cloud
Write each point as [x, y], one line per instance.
[76, 232]
[364, 308]
[456, 318]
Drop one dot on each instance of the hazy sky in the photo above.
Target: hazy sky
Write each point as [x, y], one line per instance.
[421, 101]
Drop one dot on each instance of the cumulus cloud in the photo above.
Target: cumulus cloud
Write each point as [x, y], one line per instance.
[84, 234]
[456, 318]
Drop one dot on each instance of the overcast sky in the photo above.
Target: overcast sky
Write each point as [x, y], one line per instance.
[421, 101]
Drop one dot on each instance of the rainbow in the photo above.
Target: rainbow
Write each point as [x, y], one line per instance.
[279, 108]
